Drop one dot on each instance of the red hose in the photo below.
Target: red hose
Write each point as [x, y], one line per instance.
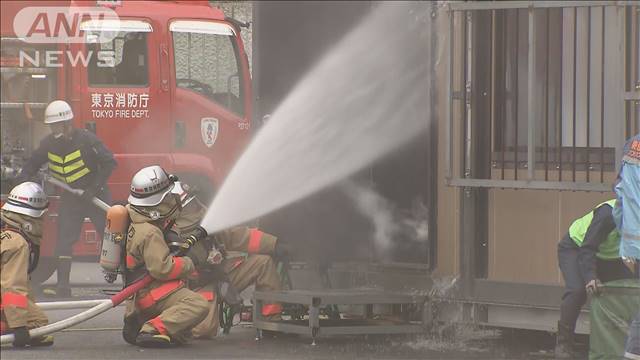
[131, 289]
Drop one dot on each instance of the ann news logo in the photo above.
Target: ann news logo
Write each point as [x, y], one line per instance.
[66, 25]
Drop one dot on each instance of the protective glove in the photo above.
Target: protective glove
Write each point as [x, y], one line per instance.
[176, 245]
[90, 193]
[21, 336]
[281, 252]
[593, 287]
[195, 259]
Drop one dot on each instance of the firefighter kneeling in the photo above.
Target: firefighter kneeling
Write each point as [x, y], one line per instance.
[249, 260]
[168, 309]
[20, 243]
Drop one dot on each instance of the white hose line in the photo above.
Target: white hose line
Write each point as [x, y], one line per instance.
[115, 300]
[62, 324]
[68, 305]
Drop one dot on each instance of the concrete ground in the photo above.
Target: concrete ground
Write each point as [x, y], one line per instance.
[100, 338]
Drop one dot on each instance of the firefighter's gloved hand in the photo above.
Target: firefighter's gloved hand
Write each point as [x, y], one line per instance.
[176, 245]
[194, 258]
[281, 252]
[21, 337]
[593, 287]
[89, 194]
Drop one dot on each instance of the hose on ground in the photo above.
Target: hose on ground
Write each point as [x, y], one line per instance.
[85, 315]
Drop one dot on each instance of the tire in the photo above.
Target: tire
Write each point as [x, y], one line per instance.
[46, 267]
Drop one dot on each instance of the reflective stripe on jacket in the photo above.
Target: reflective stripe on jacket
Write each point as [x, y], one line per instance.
[610, 247]
[14, 278]
[67, 168]
[82, 161]
[146, 247]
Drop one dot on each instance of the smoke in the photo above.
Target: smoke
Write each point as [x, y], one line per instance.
[391, 226]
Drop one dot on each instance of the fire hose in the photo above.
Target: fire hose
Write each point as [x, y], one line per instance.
[114, 301]
[101, 306]
[70, 305]
[97, 202]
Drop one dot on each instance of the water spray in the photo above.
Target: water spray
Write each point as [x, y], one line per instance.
[365, 99]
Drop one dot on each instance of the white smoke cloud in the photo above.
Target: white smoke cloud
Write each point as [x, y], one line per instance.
[390, 224]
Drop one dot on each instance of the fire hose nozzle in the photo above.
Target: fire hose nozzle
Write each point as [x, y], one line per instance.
[198, 234]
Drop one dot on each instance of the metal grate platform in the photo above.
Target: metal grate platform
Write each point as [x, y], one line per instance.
[315, 300]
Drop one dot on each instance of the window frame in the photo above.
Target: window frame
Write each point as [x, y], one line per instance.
[190, 26]
[127, 25]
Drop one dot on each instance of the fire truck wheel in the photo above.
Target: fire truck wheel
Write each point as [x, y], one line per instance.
[46, 268]
[204, 188]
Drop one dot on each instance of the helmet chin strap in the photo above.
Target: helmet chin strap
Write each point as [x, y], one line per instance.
[157, 216]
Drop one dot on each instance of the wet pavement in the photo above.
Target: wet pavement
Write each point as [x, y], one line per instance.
[100, 338]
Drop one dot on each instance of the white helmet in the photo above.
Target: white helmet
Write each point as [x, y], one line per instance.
[57, 111]
[28, 199]
[149, 186]
[184, 192]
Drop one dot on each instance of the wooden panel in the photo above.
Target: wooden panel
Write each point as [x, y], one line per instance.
[522, 235]
[525, 227]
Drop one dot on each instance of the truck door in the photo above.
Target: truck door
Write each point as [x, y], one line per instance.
[119, 99]
[211, 113]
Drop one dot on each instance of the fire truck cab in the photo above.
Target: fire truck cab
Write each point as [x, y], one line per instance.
[162, 82]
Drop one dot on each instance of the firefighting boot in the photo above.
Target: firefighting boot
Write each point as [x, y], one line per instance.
[154, 340]
[564, 342]
[131, 328]
[63, 289]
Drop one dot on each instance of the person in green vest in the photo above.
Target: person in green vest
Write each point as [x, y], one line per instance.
[588, 255]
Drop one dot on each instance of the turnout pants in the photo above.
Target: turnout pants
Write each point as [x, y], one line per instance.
[258, 270]
[575, 295]
[17, 306]
[35, 317]
[175, 315]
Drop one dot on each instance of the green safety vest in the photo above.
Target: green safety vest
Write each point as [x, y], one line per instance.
[67, 168]
[610, 248]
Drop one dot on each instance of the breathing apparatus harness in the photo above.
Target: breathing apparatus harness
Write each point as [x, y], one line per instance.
[34, 250]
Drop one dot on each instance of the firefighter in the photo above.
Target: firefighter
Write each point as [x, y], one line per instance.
[21, 218]
[587, 255]
[78, 158]
[249, 260]
[627, 216]
[168, 309]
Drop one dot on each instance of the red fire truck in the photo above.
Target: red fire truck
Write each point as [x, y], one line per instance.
[159, 82]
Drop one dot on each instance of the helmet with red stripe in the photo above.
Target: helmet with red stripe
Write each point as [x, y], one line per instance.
[149, 186]
[28, 199]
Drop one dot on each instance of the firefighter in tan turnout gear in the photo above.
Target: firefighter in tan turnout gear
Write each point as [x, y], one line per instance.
[20, 243]
[249, 260]
[168, 309]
